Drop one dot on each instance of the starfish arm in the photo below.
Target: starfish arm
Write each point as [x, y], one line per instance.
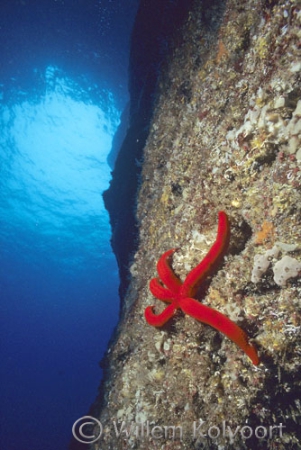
[211, 260]
[221, 323]
[166, 273]
[160, 291]
[158, 320]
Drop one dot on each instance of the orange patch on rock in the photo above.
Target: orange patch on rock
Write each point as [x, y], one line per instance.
[265, 234]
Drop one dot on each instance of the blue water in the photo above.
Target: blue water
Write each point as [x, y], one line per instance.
[58, 277]
[63, 85]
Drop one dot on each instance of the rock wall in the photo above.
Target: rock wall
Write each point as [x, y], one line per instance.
[156, 26]
[224, 136]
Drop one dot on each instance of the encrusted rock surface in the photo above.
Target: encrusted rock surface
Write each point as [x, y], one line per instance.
[225, 135]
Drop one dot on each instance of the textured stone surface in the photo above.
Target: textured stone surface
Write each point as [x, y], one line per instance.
[220, 139]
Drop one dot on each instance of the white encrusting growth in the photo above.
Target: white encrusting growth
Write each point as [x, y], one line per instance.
[284, 269]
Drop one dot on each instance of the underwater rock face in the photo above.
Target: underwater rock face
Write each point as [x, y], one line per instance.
[221, 138]
[155, 28]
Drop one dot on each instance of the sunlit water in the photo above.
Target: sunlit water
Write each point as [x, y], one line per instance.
[58, 278]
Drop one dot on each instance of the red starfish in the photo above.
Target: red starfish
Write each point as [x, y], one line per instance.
[179, 294]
